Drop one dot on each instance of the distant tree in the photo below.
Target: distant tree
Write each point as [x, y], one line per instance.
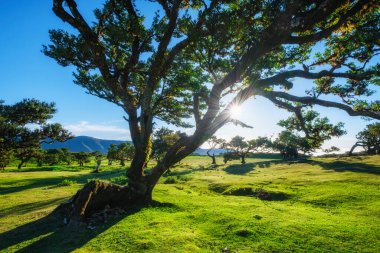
[112, 153]
[66, 156]
[25, 153]
[51, 156]
[6, 157]
[369, 139]
[163, 139]
[25, 141]
[55, 156]
[214, 143]
[82, 158]
[98, 159]
[198, 59]
[331, 149]
[288, 144]
[316, 131]
[125, 152]
[238, 147]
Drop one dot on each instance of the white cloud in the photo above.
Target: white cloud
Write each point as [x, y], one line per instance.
[101, 131]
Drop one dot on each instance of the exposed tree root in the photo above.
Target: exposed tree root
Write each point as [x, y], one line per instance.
[94, 198]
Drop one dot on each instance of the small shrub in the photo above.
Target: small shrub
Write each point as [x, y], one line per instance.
[183, 178]
[170, 180]
[66, 182]
[122, 180]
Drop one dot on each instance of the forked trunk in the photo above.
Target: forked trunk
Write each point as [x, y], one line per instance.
[98, 197]
[211, 156]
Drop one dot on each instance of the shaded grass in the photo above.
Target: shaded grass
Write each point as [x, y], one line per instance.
[321, 210]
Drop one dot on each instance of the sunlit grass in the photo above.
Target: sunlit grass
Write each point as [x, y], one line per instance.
[331, 205]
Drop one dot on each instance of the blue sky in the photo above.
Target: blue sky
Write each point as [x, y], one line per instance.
[27, 73]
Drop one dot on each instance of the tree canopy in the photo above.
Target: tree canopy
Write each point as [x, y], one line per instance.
[369, 139]
[24, 126]
[183, 66]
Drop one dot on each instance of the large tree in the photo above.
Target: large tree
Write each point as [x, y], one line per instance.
[16, 133]
[316, 130]
[195, 54]
[368, 139]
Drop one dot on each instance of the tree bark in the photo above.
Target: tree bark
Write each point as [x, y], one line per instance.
[243, 159]
[353, 148]
[98, 163]
[97, 196]
[211, 156]
[20, 164]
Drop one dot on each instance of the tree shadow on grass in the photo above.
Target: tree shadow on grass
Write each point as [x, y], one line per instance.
[30, 207]
[342, 166]
[48, 234]
[242, 169]
[54, 181]
[189, 170]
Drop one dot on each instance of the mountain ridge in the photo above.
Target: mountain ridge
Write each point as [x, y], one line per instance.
[90, 144]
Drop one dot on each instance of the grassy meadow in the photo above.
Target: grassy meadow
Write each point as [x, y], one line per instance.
[315, 205]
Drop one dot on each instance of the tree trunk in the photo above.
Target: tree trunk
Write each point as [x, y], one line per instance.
[100, 197]
[20, 164]
[353, 148]
[97, 196]
[211, 156]
[243, 159]
[98, 166]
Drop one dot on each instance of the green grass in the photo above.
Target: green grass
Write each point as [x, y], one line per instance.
[317, 205]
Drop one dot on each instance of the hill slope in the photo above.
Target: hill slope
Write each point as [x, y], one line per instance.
[83, 143]
[90, 144]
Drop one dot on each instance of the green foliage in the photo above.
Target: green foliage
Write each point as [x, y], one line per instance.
[55, 157]
[124, 152]
[316, 131]
[82, 158]
[66, 182]
[170, 180]
[237, 147]
[288, 144]
[16, 136]
[112, 153]
[369, 138]
[163, 139]
[6, 157]
[121, 180]
[195, 59]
